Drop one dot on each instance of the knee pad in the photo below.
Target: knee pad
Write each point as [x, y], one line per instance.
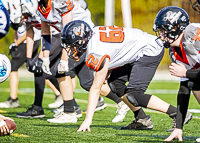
[112, 87]
[118, 88]
[138, 98]
[132, 99]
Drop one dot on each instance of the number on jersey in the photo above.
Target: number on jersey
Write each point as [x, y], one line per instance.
[112, 34]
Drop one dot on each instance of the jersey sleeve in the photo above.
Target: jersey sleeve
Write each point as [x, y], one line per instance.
[95, 61]
[63, 6]
[191, 40]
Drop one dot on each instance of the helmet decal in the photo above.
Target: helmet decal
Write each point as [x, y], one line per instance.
[5, 67]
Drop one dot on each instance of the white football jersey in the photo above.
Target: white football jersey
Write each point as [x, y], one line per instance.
[120, 45]
[22, 30]
[52, 14]
[81, 14]
[189, 51]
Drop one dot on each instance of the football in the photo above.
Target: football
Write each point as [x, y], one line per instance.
[11, 126]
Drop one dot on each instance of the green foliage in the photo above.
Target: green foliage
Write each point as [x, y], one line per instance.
[6, 41]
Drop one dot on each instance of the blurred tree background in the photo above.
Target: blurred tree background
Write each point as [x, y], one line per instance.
[143, 14]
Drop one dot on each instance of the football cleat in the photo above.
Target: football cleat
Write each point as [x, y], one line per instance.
[139, 124]
[100, 105]
[57, 103]
[33, 112]
[64, 118]
[10, 103]
[77, 110]
[122, 110]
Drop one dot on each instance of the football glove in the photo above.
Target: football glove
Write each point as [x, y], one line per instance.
[37, 67]
[12, 48]
[29, 66]
[45, 65]
[63, 67]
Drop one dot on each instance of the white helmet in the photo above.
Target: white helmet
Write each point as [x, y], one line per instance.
[5, 67]
[18, 7]
[29, 6]
[15, 10]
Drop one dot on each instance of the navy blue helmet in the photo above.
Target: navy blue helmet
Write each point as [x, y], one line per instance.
[76, 35]
[172, 20]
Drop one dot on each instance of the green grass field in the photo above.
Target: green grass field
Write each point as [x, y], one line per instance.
[102, 129]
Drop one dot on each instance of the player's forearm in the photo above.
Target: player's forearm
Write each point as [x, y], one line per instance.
[92, 103]
[20, 40]
[29, 43]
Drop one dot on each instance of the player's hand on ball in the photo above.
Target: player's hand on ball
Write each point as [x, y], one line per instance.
[85, 126]
[7, 126]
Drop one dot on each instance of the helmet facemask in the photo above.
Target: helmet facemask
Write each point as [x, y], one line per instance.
[196, 5]
[76, 50]
[167, 34]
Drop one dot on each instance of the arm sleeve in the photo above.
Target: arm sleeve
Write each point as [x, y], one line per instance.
[182, 103]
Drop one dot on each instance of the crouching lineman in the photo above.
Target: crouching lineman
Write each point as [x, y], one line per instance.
[182, 37]
[110, 49]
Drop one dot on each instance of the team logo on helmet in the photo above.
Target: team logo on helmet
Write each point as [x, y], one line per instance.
[5, 67]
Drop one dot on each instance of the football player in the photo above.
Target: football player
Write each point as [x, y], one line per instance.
[4, 28]
[56, 51]
[120, 53]
[173, 27]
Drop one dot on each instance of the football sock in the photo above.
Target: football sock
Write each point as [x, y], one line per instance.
[69, 106]
[140, 114]
[75, 104]
[39, 89]
[13, 100]
[171, 111]
[113, 97]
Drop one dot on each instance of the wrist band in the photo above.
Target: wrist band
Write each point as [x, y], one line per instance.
[46, 42]
[2, 123]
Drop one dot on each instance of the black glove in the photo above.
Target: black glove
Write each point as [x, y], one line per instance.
[12, 48]
[37, 67]
[29, 66]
